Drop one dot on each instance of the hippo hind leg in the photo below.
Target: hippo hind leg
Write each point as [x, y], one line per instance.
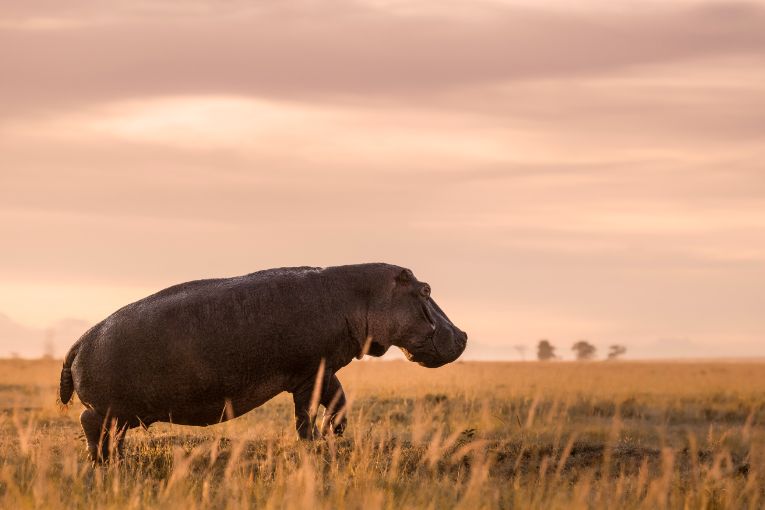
[105, 436]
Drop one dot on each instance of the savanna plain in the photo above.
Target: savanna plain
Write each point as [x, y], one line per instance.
[469, 435]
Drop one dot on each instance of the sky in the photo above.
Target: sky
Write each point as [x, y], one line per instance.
[559, 170]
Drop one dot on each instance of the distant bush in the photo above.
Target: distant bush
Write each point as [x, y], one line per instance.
[545, 351]
[584, 350]
[616, 351]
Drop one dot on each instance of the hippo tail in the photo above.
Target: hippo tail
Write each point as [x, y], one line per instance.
[66, 386]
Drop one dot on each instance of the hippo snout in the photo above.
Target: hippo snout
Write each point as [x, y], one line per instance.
[462, 339]
[447, 345]
[460, 342]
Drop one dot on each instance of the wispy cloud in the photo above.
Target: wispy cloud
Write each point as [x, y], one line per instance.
[321, 50]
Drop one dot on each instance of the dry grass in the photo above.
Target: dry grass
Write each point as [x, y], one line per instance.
[469, 435]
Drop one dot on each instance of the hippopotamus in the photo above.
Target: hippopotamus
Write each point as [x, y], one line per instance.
[207, 351]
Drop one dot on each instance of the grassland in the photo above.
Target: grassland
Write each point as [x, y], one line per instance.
[468, 435]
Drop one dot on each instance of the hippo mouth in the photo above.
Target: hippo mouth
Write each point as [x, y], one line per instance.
[425, 359]
[443, 344]
[415, 358]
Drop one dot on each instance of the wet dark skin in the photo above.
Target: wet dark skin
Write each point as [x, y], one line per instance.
[207, 351]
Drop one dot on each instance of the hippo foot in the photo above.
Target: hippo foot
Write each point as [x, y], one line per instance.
[307, 432]
[334, 425]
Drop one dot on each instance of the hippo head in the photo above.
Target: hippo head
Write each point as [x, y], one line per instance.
[404, 314]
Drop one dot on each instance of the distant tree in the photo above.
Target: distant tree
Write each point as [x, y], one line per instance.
[616, 351]
[584, 350]
[545, 350]
[521, 350]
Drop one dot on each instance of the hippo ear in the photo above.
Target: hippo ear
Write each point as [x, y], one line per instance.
[405, 277]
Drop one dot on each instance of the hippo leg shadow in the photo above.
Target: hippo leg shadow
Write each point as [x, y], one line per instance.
[105, 436]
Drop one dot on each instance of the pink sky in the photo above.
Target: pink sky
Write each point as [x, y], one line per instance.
[553, 171]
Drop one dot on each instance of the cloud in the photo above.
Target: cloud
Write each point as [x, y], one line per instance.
[148, 178]
[321, 50]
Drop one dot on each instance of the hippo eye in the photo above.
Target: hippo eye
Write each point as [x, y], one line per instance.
[425, 291]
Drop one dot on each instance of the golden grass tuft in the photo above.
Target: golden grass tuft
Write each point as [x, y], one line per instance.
[468, 435]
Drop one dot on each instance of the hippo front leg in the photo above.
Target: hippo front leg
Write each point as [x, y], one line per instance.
[304, 421]
[333, 400]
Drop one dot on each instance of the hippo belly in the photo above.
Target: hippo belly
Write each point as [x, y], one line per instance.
[181, 402]
[168, 383]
